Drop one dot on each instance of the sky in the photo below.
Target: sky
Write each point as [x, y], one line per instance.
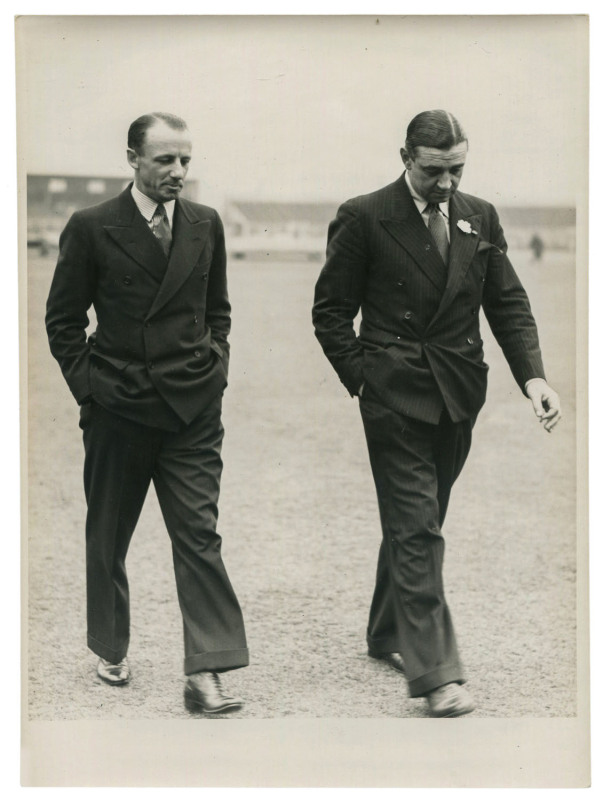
[310, 107]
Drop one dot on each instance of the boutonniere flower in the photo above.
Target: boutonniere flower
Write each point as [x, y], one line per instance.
[465, 227]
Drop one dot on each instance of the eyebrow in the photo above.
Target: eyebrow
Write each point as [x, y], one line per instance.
[434, 168]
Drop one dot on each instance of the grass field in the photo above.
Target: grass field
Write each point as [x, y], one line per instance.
[299, 520]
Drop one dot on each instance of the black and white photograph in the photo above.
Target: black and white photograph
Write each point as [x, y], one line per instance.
[304, 400]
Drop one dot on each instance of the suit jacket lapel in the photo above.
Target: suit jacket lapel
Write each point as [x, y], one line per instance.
[131, 232]
[462, 247]
[405, 224]
[189, 237]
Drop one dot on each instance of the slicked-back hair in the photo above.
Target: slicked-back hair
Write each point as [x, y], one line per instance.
[438, 128]
[140, 126]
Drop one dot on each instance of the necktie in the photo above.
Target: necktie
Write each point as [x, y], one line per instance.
[437, 228]
[161, 228]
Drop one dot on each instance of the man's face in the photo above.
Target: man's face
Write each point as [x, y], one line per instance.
[435, 174]
[161, 166]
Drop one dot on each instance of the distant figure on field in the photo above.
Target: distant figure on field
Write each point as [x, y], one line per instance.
[537, 247]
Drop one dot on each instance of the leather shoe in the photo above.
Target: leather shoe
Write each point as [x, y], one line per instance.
[203, 692]
[450, 700]
[115, 674]
[393, 659]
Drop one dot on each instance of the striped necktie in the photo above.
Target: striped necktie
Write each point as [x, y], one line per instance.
[437, 228]
[161, 228]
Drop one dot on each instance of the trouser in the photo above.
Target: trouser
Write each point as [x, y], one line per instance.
[121, 459]
[414, 465]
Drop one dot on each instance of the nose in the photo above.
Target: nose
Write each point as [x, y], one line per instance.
[178, 170]
[445, 181]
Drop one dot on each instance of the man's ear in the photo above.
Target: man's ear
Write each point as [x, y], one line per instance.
[132, 158]
[406, 159]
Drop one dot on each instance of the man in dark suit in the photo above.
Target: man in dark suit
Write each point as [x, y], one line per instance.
[149, 381]
[420, 258]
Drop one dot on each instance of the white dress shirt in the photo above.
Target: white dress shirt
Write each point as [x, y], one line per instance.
[147, 207]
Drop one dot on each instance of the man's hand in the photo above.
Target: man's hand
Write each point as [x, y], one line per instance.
[545, 400]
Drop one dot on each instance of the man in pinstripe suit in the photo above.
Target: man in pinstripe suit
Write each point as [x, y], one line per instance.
[420, 258]
[149, 381]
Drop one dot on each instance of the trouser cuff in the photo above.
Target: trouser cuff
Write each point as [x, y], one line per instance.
[216, 662]
[450, 673]
[108, 653]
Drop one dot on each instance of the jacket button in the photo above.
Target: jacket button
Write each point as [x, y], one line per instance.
[151, 365]
[127, 280]
[197, 354]
[205, 276]
[147, 324]
[408, 315]
[469, 340]
[401, 283]
[428, 247]
[474, 311]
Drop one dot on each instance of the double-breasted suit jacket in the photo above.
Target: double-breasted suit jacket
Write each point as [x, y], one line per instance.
[419, 347]
[418, 364]
[155, 368]
[159, 353]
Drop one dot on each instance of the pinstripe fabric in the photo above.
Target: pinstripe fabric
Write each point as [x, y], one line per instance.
[150, 380]
[160, 350]
[122, 459]
[419, 346]
[419, 356]
[414, 466]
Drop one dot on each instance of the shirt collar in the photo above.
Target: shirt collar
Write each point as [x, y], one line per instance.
[421, 203]
[147, 207]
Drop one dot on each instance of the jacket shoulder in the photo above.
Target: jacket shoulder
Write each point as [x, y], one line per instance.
[198, 209]
[105, 209]
[370, 205]
[479, 204]
[374, 198]
[113, 208]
